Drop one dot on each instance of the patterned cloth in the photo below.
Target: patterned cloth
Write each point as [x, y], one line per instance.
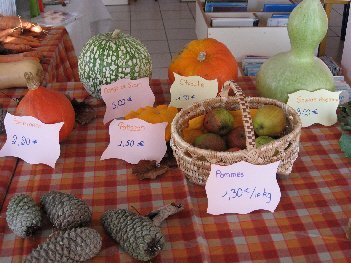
[307, 226]
[59, 60]
[7, 164]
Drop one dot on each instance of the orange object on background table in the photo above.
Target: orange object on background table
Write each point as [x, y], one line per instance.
[57, 56]
[308, 225]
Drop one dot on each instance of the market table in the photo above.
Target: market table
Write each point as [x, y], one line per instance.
[7, 164]
[59, 61]
[307, 226]
[60, 64]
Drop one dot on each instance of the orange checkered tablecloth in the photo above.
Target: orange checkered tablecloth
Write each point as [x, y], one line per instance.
[7, 164]
[59, 60]
[307, 226]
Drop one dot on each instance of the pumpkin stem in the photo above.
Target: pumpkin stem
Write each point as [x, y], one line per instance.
[202, 56]
[115, 33]
[32, 82]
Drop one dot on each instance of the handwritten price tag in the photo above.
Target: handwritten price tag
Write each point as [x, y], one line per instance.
[242, 188]
[134, 140]
[187, 90]
[126, 95]
[315, 107]
[31, 140]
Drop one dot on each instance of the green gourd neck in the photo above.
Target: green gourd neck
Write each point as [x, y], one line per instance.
[308, 24]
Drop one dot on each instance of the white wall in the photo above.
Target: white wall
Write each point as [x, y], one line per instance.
[346, 56]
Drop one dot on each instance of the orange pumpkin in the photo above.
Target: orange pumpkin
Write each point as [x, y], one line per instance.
[48, 106]
[207, 58]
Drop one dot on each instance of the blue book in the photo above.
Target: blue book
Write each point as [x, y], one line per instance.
[225, 7]
[280, 15]
[278, 7]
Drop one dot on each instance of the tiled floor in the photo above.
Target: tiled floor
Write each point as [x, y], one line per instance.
[165, 26]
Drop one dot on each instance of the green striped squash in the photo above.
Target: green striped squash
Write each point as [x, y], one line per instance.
[108, 57]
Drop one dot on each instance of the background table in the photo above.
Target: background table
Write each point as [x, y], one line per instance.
[307, 226]
[59, 61]
[7, 164]
[94, 18]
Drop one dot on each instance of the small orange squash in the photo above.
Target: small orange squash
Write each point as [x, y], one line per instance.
[161, 113]
[47, 105]
[207, 58]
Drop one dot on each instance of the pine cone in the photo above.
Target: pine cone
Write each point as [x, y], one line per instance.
[75, 245]
[23, 216]
[136, 234]
[65, 211]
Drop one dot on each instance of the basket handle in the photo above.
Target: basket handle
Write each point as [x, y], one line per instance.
[244, 107]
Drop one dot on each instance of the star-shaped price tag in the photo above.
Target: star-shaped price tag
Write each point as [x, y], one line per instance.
[31, 140]
[124, 96]
[187, 90]
[134, 140]
[315, 107]
[242, 188]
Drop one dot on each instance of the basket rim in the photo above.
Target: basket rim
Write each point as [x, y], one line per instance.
[291, 113]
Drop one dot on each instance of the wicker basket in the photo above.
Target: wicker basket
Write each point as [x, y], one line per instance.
[196, 162]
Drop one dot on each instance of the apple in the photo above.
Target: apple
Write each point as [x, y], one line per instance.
[218, 121]
[236, 138]
[262, 140]
[269, 120]
[210, 141]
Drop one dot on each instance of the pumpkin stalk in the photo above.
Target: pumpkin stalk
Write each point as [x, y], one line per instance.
[116, 33]
[32, 82]
[202, 56]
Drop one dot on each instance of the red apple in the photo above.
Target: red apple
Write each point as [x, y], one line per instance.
[236, 138]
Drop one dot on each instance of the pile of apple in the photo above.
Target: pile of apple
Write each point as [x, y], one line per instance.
[222, 130]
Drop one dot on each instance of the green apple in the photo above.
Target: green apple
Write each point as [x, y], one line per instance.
[262, 140]
[269, 120]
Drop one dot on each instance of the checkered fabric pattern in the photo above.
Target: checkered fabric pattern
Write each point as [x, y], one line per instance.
[307, 226]
[59, 60]
[7, 164]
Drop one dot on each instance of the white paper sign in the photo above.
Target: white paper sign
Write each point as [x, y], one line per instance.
[187, 90]
[242, 188]
[31, 140]
[126, 95]
[134, 140]
[315, 107]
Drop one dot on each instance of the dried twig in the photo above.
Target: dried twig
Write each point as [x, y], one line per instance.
[146, 169]
[159, 215]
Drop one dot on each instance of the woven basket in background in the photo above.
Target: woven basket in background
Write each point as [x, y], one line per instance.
[196, 163]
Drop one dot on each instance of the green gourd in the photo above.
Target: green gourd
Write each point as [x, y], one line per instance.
[111, 56]
[298, 69]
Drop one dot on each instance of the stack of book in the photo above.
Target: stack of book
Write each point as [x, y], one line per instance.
[333, 67]
[278, 20]
[341, 85]
[226, 6]
[276, 7]
[242, 20]
[281, 15]
[251, 64]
